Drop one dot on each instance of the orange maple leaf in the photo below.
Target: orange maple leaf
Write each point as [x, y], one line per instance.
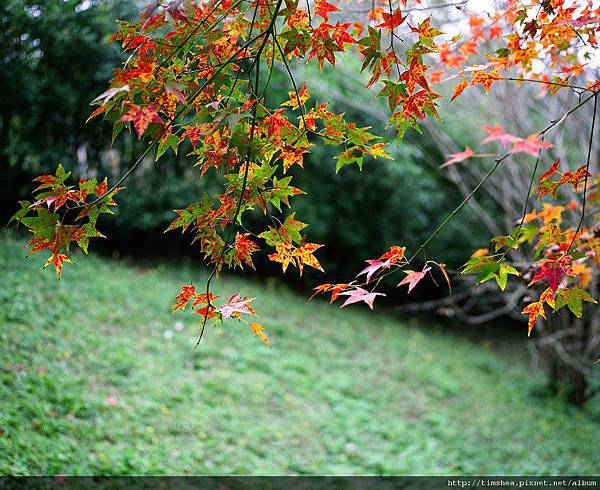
[142, 117]
[257, 329]
[534, 310]
[323, 8]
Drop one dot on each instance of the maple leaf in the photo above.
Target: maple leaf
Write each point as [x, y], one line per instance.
[377, 150]
[304, 256]
[322, 8]
[183, 298]
[494, 32]
[546, 186]
[415, 74]
[296, 17]
[293, 155]
[289, 232]
[57, 260]
[52, 181]
[188, 293]
[480, 252]
[142, 117]
[459, 89]
[257, 329]
[576, 177]
[174, 90]
[321, 288]
[468, 48]
[458, 157]
[283, 255]
[373, 267]
[341, 36]
[454, 61]
[497, 133]
[96, 112]
[531, 145]
[572, 298]
[358, 294]
[436, 77]
[393, 20]
[548, 297]
[323, 50]
[110, 93]
[143, 72]
[551, 272]
[235, 307]
[549, 214]
[394, 254]
[418, 105]
[335, 290]
[298, 99]
[486, 79]
[243, 249]
[413, 278]
[427, 33]
[204, 299]
[534, 310]
[475, 21]
[376, 14]
[487, 268]
[444, 272]
[21, 213]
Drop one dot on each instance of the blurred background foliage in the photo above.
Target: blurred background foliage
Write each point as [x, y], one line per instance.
[54, 60]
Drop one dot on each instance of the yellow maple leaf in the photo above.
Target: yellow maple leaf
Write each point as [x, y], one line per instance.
[257, 329]
[480, 252]
[304, 256]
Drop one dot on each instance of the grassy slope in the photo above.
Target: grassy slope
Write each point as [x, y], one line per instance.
[341, 392]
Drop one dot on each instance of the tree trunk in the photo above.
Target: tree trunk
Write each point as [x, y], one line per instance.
[578, 391]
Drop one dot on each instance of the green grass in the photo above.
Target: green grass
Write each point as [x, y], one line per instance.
[341, 391]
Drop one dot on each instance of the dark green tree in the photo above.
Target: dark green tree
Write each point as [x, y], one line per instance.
[54, 56]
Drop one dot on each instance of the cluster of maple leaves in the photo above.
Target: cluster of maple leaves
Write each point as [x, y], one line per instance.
[564, 257]
[197, 77]
[47, 216]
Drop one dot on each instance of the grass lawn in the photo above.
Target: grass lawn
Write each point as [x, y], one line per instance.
[96, 379]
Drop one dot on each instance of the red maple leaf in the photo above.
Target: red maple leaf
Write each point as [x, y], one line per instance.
[494, 32]
[468, 48]
[373, 267]
[322, 9]
[340, 35]
[497, 133]
[142, 117]
[553, 273]
[458, 157]
[183, 298]
[243, 249]
[359, 294]
[550, 172]
[413, 278]
[532, 145]
[574, 178]
[393, 20]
